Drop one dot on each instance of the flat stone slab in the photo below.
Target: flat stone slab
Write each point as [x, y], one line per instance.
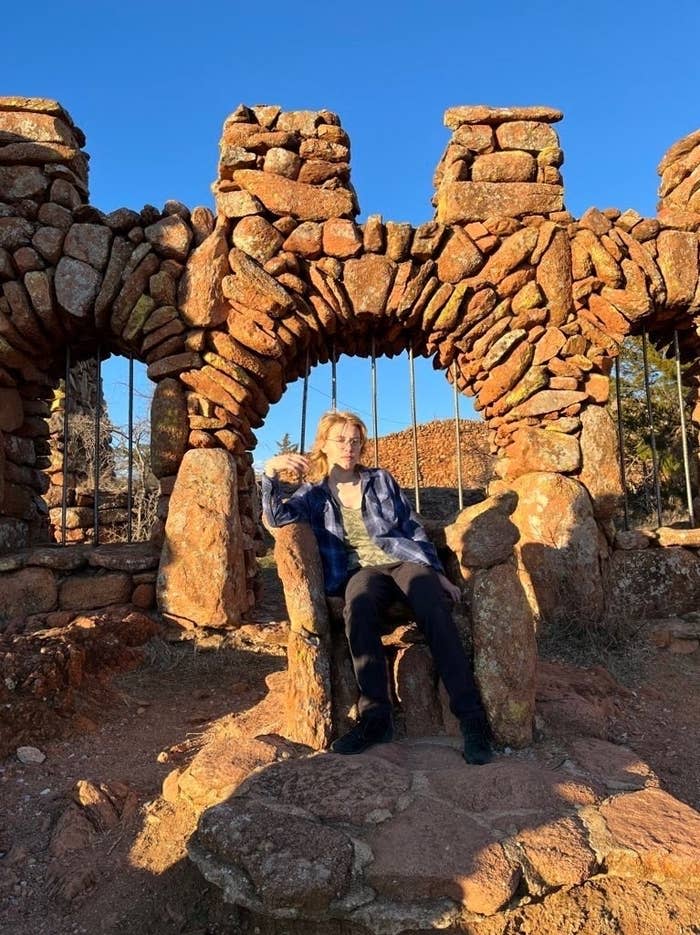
[408, 837]
[125, 556]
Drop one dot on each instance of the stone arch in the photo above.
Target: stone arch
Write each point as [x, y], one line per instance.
[528, 303]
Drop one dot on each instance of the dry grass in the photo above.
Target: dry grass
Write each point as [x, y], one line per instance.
[620, 644]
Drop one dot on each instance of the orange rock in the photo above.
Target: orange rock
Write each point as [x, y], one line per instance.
[284, 196]
[504, 376]
[526, 134]
[201, 578]
[460, 257]
[504, 167]
[306, 240]
[678, 262]
[555, 277]
[341, 238]
[367, 281]
[473, 201]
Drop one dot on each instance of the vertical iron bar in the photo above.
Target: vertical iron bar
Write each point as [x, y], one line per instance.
[412, 381]
[621, 442]
[684, 439]
[64, 464]
[304, 403]
[334, 385]
[96, 498]
[652, 433]
[458, 440]
[375, 432]
[130, 443]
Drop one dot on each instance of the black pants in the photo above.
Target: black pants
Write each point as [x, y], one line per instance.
[368, 593]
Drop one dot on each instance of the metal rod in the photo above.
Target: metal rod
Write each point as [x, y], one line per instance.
[304, 404]
[96, 482]
[334, 384]
[458, 440]
[684, 438]
[412, 381]
[375, 431]
[621, 443]
[130, 443]
[652, 433]
[64, 460]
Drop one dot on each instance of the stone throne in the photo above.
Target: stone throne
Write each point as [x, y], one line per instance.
[477, 548]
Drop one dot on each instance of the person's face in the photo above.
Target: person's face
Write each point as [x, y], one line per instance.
[342, 446]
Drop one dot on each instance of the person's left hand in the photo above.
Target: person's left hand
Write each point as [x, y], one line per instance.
[452, 591]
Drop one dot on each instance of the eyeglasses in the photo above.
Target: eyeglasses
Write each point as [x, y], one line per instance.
[352, 442]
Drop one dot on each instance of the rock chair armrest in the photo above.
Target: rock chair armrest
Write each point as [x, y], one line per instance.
[301, 573]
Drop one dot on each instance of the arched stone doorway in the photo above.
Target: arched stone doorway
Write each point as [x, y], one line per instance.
[526, 304]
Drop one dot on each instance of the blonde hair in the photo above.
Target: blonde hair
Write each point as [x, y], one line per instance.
[318, 462]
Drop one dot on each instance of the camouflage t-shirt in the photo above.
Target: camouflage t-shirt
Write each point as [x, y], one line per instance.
[361, 550]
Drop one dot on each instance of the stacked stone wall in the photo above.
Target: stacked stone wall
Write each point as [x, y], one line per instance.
[437, 454]
[521, 304]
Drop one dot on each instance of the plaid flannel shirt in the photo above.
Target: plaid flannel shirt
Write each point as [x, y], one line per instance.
[387, 514]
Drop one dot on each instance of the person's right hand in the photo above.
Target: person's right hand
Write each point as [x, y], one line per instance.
[291, 461]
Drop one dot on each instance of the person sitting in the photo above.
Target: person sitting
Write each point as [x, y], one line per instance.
[374, 551]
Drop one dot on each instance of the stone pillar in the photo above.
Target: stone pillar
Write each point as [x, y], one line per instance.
[201, 577]
[308, 715]
[503, 629]
[43, 177]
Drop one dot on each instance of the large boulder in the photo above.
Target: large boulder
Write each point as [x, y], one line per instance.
[483, 534]
[201, 576]
[505, 653]
[558, 550]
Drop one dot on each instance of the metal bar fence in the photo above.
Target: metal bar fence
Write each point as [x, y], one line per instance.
[96, 481]
[130, 451]
[684, 437]
[375, 428]
[458, 440]
[412, 383]
[652, 432]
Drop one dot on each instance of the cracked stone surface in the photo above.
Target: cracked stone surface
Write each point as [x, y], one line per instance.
[406, 837]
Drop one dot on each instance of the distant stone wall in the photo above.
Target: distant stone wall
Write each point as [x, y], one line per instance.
[437, 454]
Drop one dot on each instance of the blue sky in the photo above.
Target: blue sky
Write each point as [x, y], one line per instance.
[151, 84]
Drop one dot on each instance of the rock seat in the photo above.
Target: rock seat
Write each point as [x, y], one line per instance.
[321, 690]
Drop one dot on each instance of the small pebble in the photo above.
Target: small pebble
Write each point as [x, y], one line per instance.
[30, 755]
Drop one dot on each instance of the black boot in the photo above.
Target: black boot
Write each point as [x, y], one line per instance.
[370, 729]
[475, 730]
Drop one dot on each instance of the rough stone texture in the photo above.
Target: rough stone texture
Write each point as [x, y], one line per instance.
[414, 669]
[201, 299]
[505, 652]
[11, 410]
[536, 449]
[201, 577]
[77, 285]
[558, 549]
[600, 468]
[308, 716]
[169, 427]
[476, 201]
[652, 583]
[483, 534]
[283, 196]
[405, 839]
[85, 592]
[27, 591]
